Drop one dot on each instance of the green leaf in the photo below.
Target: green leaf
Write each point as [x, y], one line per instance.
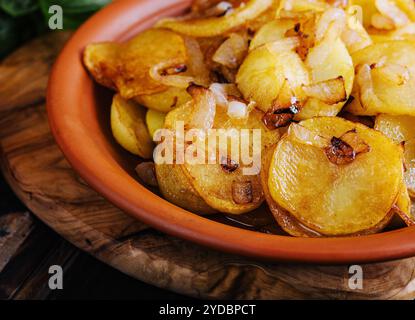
[18, 8]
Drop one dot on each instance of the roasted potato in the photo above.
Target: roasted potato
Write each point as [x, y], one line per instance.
[330, 186]
[125, 67]
[129, 127]
[223, 187]
[288, 56]
[401, 129]
[385, 79]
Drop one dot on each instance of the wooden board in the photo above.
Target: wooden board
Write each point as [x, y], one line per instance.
[38, 173]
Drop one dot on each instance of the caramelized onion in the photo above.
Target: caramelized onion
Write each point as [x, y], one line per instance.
[329, 91]
[344, 150]
[166, 73]
[216, 26]
[281, 116]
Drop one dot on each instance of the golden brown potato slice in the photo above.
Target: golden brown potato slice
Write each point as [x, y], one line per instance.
[401, 129]
[164, 101]
[398, 128]
[328, 59]
[403, 215]
[264, 72]
[294, 62]
[125, 67]
[154, 121]
[101, 61]
[336, 189]
[129, 127]
[284, 219]
[223, 187]
[176, 188]
[385, 79]
[226, 187]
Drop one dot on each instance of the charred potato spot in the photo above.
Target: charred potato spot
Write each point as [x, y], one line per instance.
[242, 192]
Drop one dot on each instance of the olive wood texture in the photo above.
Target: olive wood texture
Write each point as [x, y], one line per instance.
[38, 173]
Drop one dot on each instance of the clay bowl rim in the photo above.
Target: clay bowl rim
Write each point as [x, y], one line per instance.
[75, 126]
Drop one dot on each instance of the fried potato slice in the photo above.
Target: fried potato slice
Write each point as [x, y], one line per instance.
[401, 129]
[176, 188]
[125, 67]
[226, 187]
[223, 184]
[328, 59]
[101, 61]
[398, 128]
[403, 215]
[336, 199]
[266, 69]
[164, 101]
[129, 127]
[284, 219]
[385, 79]
[410, 166]
[154, 121]
[294, 61]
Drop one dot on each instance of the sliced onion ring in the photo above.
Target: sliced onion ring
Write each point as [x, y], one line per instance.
[329, 91]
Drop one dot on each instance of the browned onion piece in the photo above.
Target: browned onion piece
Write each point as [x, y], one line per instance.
[281, 115]
[147, 173]
[344, 150]
[166, 73]
[329, 91]
[339, 152]
[242, 192]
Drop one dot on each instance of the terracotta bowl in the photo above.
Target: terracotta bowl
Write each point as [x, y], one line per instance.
[79, 117]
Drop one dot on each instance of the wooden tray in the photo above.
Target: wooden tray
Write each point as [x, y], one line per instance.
[38, 173]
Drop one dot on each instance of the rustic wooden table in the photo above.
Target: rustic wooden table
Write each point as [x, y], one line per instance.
[28, 248]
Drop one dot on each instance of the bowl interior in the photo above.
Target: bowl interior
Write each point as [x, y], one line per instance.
[79, 117]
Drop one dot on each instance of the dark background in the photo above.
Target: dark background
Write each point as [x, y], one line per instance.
[25, 275]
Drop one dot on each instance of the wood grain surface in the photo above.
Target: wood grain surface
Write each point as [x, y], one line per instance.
[38, 173]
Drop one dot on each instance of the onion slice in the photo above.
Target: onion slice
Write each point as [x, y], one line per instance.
[232, 51]
[329, 91]
[390, 10]
[216, 26]
[204, 107]
[158, 73]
